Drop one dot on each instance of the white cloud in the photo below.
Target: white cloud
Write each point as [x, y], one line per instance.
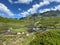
[52, 0]
[21, 1]
[49, 9]
[44, 10]
[41, 10]
[34, 8]
[10, 1]
[24, 14]
[37, 6]
[57, 7]
[4, 9]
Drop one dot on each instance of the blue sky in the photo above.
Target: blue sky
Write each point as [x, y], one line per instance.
[23, 8]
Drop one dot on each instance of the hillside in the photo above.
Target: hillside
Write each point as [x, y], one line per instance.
[51, 37]
[35, 29]
[50, 19]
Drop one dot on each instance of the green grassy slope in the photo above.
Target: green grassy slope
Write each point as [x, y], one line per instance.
[51, 37]
[47, 20]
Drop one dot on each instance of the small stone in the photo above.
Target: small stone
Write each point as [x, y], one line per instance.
[27, 34]
[18, 33]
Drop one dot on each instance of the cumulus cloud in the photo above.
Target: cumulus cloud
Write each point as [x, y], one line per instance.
[52, 0]
[49, 9]
[24, 14]
[35, 8]
[21, 1]
[5, 9]
[57, 7]
[44, 10]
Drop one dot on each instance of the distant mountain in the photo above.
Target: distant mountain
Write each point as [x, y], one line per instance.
[48, 13]
[51, 13]
[37, 17]
[34, 18]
